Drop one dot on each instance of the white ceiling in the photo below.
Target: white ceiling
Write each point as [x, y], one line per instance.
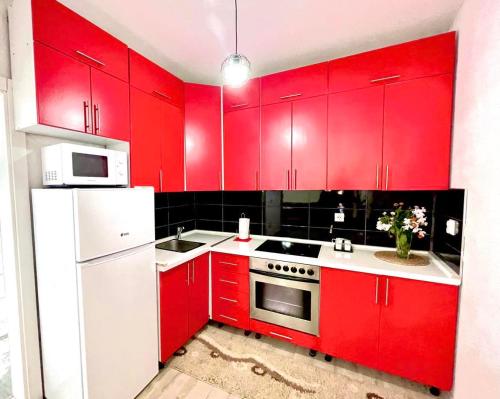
[191, 38]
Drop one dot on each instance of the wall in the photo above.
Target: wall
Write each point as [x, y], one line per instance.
[4, 41]
[476, 167]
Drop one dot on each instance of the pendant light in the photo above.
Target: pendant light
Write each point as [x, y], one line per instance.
[236, 67]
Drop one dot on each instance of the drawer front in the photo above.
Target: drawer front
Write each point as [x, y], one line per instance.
[153, 79]
[230, 263]
[68, 32]
[295, 84]
[247, 96]
[225, 280]
[285, 334]
[230, 297]
[419, 58]
[230, 314]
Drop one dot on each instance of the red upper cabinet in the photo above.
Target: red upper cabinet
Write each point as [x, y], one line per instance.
[424, 57]
[110, 106]
[61, 28]
[309, 143]
[63, 90]
[172, 148]
[147, 76]
[198, 293]
[350, 315]
[417, 134]
[242, 149]
[147, 121]
[417, 330]
[203, 137]
[247, 96]
[355, 128]
[276, 147]
[296, 83]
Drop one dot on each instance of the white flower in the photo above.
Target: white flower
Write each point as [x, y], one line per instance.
[384, 213]
[393, 213]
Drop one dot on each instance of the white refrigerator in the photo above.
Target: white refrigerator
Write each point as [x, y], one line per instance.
[96, 281]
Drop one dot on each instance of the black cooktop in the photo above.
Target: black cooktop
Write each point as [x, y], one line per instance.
[290, 248]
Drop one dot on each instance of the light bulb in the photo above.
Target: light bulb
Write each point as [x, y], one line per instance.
[235, 70]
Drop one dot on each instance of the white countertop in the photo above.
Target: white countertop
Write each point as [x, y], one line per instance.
[361, 260]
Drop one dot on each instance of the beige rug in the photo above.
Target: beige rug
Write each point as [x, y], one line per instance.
[271, 369]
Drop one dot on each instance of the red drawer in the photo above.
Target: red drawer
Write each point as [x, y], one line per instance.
[247, 96]
[285, 334]
[419, 58]
[230, 263]
[68, 32]
[226, 280]
[151, 78]
[230, 313]
[230, 296]
[308, 81]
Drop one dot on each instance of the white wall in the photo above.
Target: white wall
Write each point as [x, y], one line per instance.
[476, 167]
[4, 41]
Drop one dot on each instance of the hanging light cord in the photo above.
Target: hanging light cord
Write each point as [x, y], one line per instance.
[236, 23]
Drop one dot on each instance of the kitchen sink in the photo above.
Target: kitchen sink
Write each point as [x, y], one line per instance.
[179, 245]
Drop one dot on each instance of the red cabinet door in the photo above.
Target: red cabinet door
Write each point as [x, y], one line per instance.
[355, 126]
[63, 90]
[417, 330]
[198, 293]
[308, 81]
[174, 310]
[147, 125]
[417, 134]
[350, 315]
[276, 146]
[147, 76]
[110, 106]
[309, 143]
[242, 149]
[203, 137]
[63, 29]
[247, 96]
[172, 139]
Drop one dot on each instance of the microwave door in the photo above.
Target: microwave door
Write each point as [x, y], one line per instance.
[91, 166]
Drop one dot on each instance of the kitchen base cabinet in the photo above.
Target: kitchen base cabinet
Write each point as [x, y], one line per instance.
[183, 304]
[285, 334]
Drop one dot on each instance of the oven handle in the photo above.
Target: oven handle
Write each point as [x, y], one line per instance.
[284, 277]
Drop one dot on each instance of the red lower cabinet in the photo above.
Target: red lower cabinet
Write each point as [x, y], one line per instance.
[400, 326]
[285, 334]
[183, 302]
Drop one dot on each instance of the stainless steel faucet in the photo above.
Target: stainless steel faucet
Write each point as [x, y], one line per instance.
[179, 232]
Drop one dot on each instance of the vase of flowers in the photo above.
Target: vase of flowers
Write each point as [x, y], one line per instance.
[402, 224]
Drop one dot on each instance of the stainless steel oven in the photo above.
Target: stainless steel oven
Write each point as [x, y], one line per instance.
[286, 294]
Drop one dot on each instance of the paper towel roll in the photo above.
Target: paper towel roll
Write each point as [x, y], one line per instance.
[244, 227]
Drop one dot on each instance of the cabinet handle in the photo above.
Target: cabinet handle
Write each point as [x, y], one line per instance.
[288, 179]
[386, 177]
[386, 292]
[228, 263]
[239, 105]
[281, 336]
[161, 180]
[86, 116]
[81, 53]
[257, 180]
[220, 180]
[159, 93]
[97, 118]
[227, 317]
[192, 265]
[295, 179]
[290, 96]
[228, 281]
[227, 299]
[384, 78]
[188, 273]
[376, 291]
[378, 172]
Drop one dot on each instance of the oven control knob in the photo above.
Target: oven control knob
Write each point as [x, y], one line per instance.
[270, 266]
[286, 268]
[294, 269]
[310, 272]
[278, 267]
[302, 270]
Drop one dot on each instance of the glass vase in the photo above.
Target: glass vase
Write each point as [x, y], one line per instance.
[403, 244]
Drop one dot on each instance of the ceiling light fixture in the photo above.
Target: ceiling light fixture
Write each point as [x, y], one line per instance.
[236, 67]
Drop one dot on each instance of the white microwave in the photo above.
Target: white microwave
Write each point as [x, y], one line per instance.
[78, 165]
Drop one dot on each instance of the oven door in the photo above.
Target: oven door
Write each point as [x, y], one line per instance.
[285, 301]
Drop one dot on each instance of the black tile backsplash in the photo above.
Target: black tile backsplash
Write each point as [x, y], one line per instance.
[310, 214]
